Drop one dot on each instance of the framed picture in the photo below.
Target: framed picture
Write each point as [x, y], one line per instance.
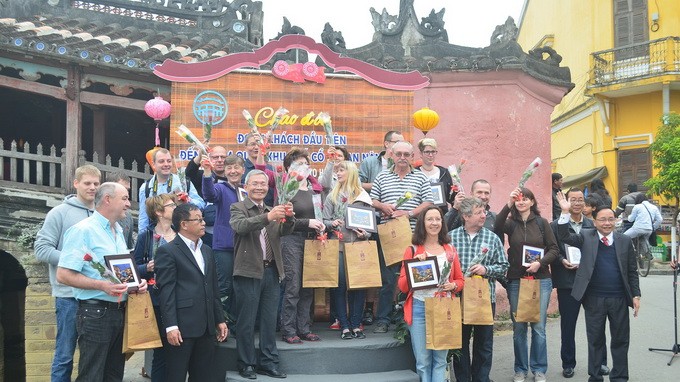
[360, 218]
[573, 254]
[422, 273]
[123, 266]
[242, 194]
[531, 254]
[438, 194]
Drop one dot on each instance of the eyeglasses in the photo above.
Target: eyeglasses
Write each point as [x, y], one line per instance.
[429, 152]
[606, 220]
[200, 220]
[402, 155]
[169, 205]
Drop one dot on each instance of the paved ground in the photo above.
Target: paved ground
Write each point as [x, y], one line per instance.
[653, 328]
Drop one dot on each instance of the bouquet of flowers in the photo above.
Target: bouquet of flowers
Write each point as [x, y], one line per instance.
[455, 170]
[288, 188]
[529, 171]
[403, 199]
[477, 260]
[185, 133]
[104, 272]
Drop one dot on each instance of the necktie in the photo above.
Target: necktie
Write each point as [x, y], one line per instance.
[269, 253]
[605, 241]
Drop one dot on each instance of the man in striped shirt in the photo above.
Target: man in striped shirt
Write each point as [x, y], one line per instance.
[387, 188]
[471, 240]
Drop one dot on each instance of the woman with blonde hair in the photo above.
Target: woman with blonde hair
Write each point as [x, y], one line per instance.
[347, 191]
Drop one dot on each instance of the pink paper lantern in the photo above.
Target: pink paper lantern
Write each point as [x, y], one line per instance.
[157, 108]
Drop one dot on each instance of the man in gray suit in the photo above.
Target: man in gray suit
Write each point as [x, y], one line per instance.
[607, 284]
[258, 270]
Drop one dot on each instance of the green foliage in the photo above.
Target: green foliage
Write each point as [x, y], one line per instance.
[666, 155]
[25, 234]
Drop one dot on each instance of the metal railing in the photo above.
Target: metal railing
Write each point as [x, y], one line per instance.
[39, 171]
[632, 62]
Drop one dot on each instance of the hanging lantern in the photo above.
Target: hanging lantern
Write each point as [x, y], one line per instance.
[158, 109]
[425, 119]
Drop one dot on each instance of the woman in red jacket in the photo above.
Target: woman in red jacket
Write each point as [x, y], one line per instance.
[429, 239]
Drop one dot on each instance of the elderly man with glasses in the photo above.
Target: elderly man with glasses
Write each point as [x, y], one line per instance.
[387, 188]
[372, 166]
[606, 283]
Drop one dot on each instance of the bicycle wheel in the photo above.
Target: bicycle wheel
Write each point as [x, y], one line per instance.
[644, 263]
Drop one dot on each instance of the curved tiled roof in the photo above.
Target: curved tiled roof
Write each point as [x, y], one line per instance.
[128, 35]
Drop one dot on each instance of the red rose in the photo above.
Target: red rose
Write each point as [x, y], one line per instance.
[344, 200]
[279, 168]
[449, 257]
[293, 174]
[485, 250]
[156, 237]
[87, 257]
[299, 178]
[535, 164]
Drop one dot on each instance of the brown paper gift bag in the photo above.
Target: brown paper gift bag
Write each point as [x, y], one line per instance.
[140, 331]
[443, 324]
[529, 301]
[477, 302]
[395, 236]
[320, 264]
[362, 265]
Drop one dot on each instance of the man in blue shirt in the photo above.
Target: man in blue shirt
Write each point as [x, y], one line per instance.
[164, 182]
[101, 309]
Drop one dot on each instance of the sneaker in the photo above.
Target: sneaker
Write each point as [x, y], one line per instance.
[519, 377]
[539, 377]
[335, 325]
[381, 327]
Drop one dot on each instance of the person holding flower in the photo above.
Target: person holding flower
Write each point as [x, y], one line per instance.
[429, 239]
[335, 155]
[525, 226]
[101, 302]
[159, 209]
[297, 301]
[347, 191]
[435, 173]
[481, 255]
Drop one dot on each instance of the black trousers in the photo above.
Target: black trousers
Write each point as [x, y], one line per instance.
[477, 368]
[597, 311]
[193, 355]
[569, 310]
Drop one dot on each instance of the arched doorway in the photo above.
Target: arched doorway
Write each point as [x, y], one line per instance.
[13, 284]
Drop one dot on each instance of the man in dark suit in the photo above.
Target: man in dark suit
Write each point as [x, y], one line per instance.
[606, 283]
[189, 298]
[563, 273]
[258, 270]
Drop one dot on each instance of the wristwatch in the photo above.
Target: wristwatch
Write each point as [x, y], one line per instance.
[410, 214]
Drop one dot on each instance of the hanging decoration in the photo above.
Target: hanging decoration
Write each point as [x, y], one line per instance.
[158, 109]
[425, 119]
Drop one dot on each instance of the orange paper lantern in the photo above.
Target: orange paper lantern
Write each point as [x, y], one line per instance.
[425, 119]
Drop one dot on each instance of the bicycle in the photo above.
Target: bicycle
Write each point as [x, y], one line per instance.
[643, 254]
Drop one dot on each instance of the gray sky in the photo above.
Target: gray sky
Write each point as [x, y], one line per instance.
[468, 23]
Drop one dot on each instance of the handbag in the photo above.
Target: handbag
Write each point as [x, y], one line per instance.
[477, 302]
[528, 301]
[652, 238]
[320, 265]
[362, 265]
[443, 324]
[395, 235]
[140, 331]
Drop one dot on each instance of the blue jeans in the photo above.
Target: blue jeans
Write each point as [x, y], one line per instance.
[430, 364]
[224, 261]
[341, 297]
[535, 359]
[67, 336]
[390, 275]
[100, 339]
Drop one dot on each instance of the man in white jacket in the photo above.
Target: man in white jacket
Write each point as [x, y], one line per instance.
[48, 244]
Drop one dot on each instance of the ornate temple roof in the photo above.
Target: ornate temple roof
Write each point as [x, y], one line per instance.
[137, 35]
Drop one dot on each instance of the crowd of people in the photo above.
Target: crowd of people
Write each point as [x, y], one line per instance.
[219, 255]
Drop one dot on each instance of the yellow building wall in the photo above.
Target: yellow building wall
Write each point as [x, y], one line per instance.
[580, 28]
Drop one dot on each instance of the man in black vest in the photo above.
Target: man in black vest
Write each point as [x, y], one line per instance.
[607, 284]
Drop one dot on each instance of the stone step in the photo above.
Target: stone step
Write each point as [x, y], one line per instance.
[388, 376]
[377, 353]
